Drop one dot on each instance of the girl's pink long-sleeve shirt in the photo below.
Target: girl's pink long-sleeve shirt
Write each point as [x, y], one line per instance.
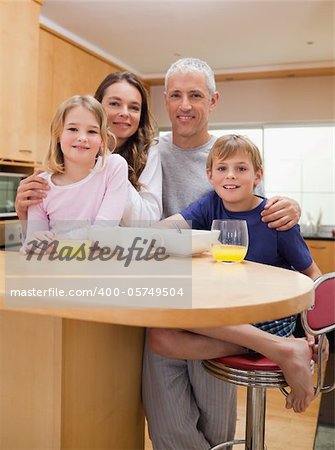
[99, 197]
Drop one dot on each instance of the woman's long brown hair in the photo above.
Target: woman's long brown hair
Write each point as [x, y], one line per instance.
[135, 149]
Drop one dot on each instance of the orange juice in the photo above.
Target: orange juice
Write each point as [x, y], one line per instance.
[228, 253]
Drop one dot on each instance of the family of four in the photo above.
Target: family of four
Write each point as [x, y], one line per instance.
[104, 163]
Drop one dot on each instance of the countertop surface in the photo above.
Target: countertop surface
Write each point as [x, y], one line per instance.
[221, 294]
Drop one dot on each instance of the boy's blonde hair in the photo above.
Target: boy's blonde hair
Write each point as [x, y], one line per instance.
[228, 145]
[55, 159]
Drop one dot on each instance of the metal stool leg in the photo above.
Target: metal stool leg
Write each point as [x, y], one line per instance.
[255, 422]
[228, 444]
[255, 418]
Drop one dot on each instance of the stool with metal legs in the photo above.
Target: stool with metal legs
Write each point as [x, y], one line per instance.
[258, 373]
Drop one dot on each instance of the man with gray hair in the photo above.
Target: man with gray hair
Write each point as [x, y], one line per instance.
[186, 408]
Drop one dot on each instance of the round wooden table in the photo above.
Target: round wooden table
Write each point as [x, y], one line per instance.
[71, 376]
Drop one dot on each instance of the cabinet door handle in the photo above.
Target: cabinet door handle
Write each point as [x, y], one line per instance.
[318, 248]
[24, 150]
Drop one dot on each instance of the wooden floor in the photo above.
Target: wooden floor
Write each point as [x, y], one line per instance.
[285, 430]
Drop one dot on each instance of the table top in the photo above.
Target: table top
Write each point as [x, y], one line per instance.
[222, 294]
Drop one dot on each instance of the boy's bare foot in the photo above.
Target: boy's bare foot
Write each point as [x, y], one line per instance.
[294, 358]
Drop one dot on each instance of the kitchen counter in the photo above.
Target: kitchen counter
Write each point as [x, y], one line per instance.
[322, 248]
[71, 375]
[322, 236]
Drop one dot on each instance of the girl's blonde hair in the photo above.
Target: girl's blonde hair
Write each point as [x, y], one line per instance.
[229, 145]
[55, 158]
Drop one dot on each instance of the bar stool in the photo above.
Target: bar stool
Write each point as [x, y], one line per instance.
[258, 373]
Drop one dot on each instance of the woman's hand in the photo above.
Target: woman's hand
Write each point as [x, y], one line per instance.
[281, 213]
[31, 191]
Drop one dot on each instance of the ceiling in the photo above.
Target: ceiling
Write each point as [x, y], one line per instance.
[146, 36]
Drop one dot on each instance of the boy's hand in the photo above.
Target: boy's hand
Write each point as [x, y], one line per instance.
[31, 191]
[315, 348]
[281, 213]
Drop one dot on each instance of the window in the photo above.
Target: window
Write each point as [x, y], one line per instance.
[299, 163]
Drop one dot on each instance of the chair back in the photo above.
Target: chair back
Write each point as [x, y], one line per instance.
[320, 318]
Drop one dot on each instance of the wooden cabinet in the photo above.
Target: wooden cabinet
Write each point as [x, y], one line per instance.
[39, 69]
[19, 28]
[323, 253]
[69, 384]
[64, 70]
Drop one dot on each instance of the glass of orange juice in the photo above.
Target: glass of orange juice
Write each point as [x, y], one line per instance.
[233, 240]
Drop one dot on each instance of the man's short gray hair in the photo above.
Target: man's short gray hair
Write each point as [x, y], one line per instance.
[185, 65]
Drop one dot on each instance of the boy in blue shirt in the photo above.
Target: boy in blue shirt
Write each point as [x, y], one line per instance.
[234, 168]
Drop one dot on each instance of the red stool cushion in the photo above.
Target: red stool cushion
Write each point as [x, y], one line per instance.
[250, 361]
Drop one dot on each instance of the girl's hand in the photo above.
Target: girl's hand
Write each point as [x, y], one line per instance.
[31, 191]
[281, 213]
[35, 244]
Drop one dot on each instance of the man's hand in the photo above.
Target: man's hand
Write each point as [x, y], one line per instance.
[31, 191]
[281, 213]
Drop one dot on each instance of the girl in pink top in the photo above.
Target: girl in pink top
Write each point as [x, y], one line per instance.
[87, 183]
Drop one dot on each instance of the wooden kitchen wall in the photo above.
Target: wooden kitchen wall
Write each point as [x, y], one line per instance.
[18, 80]
[65, 69]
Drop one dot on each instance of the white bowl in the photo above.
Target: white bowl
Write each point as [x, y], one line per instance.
[186, 243]
[203, 239]
[121, 236]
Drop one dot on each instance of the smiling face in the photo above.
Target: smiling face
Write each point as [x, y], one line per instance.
[80, 138]
[122, 103]
[234, 180]
[189, 104]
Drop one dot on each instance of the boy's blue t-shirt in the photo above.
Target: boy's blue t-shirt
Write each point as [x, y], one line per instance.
[286, 249]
